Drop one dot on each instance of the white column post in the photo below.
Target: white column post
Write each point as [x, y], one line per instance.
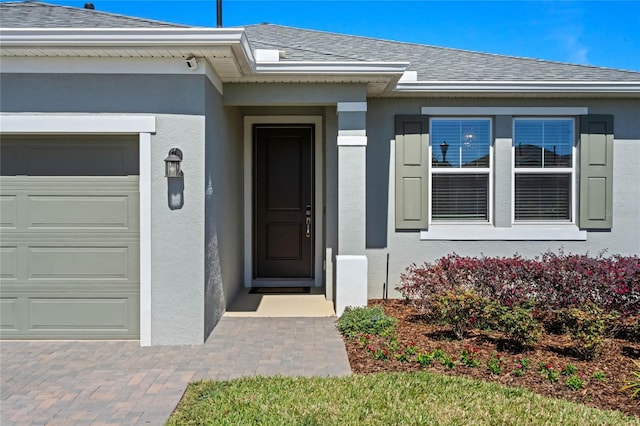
[351, 261]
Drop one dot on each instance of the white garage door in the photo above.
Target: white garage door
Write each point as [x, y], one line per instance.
[69, 223]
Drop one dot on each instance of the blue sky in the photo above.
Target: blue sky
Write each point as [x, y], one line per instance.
[600, 33]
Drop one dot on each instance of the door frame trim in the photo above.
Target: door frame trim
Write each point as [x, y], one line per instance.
[318, 198]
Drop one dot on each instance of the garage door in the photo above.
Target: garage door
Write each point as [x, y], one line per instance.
[69, 223]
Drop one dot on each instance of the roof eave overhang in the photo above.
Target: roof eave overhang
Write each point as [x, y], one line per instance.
[521, 88]
[179, 41]
[78, 40]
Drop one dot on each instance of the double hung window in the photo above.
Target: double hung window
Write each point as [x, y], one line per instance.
[544, 169]
[460, 170]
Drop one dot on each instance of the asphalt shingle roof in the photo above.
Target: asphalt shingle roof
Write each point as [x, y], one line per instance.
[32, 14]
[430, 62]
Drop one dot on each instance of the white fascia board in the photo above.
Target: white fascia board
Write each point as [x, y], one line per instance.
[65, 123]
[119, 37]
[520, 86]
[331, 67]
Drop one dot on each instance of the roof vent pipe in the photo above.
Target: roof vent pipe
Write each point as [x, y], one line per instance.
[219, 13]
[89, 6]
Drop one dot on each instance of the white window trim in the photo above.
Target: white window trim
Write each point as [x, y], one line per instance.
[143, 125]
[551, 170]
[474, 170]
[487, 232]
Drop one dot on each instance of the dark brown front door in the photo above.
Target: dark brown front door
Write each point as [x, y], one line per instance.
[283, 200]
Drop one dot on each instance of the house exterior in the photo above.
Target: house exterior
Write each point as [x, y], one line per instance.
[308, 159]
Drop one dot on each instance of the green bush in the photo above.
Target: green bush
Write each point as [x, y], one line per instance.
[458, 308]
[589, 329]
[517, 323]
[369, 320]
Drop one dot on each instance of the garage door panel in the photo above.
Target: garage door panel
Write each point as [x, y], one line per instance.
[78, 211]
[80, 313]
[8, 211]
[9, 313]
[9, 263]
[81, 263]
[57, 155]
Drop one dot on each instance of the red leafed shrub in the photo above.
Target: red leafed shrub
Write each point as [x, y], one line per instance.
[550, 282]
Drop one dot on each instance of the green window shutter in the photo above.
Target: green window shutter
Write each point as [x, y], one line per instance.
[412, 171]
[596, 171]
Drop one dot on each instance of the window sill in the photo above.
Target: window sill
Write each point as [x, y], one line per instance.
[485, 232]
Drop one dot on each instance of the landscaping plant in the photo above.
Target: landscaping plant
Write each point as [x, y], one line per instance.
[495, 363]
[589, 328]
[370, 320]
[632, 385]
[458, 308]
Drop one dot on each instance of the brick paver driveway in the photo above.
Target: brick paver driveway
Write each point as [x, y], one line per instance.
[116, 382]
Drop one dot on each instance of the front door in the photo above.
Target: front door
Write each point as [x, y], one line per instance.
[283, 202]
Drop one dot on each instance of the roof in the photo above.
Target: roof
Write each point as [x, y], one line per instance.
[33, 14]
[430, 62]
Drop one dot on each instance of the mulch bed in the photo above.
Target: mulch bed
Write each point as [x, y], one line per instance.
[615, 361]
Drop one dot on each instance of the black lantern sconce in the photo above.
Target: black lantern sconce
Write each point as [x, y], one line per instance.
[172, 164]
[444, 147]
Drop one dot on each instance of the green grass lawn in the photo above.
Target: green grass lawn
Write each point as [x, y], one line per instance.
[378, 399]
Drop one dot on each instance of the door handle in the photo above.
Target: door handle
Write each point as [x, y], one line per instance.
[307, 220]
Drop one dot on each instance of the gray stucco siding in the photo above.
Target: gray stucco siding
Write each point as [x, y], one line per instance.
[177, 233]
[406, 247]
[102, 93]
[223, 182]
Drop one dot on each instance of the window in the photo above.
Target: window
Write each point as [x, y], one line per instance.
[544, 169]
[461, 170]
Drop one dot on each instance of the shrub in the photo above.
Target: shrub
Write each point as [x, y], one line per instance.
[517, 323]
[633, 384]
[458, 308]
[369, 320]
[551, 282]
[630, 328]
[589, 328]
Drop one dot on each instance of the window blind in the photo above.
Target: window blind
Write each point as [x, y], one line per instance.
[460, 197]
[543, 196]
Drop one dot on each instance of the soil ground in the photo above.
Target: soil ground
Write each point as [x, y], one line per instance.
[615, 361]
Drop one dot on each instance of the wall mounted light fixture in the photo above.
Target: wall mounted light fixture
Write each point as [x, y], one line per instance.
[172, 164]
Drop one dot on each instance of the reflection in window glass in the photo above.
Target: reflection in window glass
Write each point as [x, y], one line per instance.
[543, 143]
[460, 143]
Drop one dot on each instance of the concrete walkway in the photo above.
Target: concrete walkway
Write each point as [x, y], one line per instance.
[119, 383]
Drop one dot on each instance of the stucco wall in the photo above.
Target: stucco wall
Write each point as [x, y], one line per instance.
[98, 93]
[223, 207]
[406, 247]
[177, 234]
